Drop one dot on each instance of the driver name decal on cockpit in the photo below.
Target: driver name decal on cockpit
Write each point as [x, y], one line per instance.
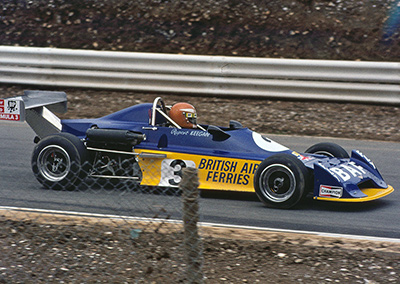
[197, 133]
[226, 171]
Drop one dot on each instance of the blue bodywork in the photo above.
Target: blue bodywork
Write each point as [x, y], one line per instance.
[338, 179]
[239, 144]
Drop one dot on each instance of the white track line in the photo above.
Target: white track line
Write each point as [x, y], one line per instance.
[203, 224]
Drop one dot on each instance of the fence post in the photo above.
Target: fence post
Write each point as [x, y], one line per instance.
[193, 248]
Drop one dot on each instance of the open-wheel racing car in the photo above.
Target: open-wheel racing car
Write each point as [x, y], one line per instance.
[145, 143]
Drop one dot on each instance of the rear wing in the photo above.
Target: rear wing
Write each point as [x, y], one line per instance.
[36, 108]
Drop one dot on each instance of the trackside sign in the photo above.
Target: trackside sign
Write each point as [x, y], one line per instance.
[10, 109]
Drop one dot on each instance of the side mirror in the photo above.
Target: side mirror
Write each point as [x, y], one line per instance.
[233, 124]
[217, 133]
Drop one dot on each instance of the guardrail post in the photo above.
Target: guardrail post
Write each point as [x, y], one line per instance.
[192, 243]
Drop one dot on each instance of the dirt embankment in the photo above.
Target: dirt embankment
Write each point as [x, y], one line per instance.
[336, 29]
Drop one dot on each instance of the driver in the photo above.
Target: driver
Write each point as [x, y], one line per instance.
[184, 115]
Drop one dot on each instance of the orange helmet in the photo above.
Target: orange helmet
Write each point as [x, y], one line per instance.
[184, 115]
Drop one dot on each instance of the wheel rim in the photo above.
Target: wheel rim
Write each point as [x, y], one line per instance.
[277, 183]
[54, 163]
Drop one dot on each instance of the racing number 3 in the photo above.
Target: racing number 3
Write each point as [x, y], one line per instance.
[171, 171]
[177, 166]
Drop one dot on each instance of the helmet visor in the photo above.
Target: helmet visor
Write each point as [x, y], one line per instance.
[191, 117]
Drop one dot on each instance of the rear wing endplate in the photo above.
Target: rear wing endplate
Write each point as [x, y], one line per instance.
[36, 107]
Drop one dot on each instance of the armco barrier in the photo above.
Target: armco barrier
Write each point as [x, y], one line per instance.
[345, 81]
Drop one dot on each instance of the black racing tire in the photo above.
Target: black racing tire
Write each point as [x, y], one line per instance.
[281, 181]
[59, 161]
[328, 149]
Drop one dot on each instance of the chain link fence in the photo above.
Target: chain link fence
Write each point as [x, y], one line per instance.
[95, 223]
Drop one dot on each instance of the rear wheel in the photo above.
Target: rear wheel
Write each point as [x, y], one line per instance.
[281, 181]
[57, 161]
[328, 149]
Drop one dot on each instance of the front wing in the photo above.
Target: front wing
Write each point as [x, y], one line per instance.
[349, 180]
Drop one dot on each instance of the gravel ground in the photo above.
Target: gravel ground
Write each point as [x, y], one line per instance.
[57, 249]
[342, 30]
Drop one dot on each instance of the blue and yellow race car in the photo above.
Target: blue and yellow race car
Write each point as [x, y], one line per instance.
[151, 143]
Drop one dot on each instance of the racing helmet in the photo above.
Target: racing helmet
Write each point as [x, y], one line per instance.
[184, 115]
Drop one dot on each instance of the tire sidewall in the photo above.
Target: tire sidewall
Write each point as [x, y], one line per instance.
[328, 149]
[294, 168]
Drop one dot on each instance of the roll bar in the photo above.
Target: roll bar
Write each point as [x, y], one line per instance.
[163, 111]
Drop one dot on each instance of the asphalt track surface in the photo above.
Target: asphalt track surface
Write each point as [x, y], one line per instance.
[378, 218]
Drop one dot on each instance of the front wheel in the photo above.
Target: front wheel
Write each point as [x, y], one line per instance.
[328, 149]
[281, 181]
[57, 161]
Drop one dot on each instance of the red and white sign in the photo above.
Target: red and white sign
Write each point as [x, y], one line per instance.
[10, 109]
[330, 191]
